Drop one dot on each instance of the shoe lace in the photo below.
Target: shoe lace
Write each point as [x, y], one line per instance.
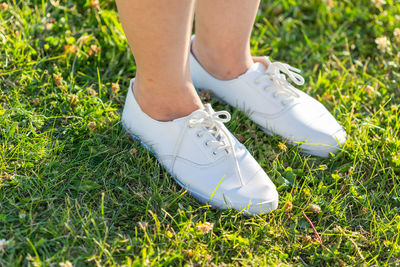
[211, 124]
[276, 74]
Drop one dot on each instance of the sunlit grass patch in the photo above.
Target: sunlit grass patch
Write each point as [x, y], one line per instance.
[75, 189]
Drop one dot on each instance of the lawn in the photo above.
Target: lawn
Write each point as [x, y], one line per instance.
[75, 190]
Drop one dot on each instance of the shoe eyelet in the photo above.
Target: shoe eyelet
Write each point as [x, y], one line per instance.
[214, 153]
[206, 144]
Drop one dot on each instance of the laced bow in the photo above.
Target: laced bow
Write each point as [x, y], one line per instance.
[209, 124]
[276, 74]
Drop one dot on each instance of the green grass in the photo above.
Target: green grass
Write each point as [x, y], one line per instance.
[74, 187]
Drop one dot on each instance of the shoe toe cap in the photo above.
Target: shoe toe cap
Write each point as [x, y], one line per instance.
[258, 196]
[325, 136]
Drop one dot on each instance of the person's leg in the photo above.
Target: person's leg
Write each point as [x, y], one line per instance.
[223, 29]
[158, 33]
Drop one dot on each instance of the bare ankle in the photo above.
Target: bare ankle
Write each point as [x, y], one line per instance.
[166, 104]
[223, 64]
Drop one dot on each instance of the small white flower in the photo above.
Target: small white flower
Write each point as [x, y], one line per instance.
[205, 227]
[3, 244]
[369, 89]
[315, 208]
[396, 34]
[48, 26]
[383, 44]
[66, 264]
[378, 3]
[329, 4]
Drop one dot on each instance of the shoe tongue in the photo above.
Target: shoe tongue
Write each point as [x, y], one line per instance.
[199, 113]
[257, 67]
[202, 112]
[255, 71]
[207, 110]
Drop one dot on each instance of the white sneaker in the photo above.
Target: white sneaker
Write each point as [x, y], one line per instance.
[204, 158]
[276, 106]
